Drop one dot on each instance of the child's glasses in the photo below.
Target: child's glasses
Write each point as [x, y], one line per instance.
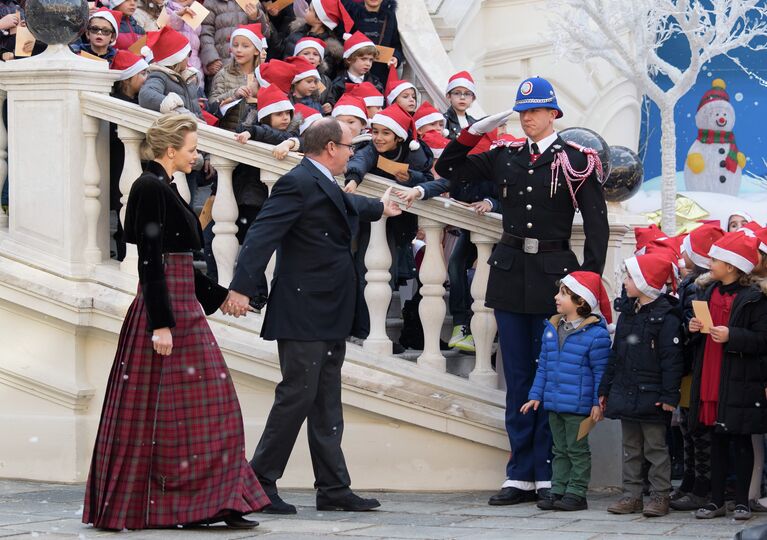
[103, 31]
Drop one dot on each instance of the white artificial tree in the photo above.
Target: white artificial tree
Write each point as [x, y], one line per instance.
[628, 35]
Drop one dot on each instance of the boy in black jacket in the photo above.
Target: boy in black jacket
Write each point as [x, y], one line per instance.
[377, 19]
[641, 384]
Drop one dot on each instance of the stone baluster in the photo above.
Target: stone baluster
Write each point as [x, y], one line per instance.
[432, 308]
[3, 159]
[378, 289]
[483, 325]
[182, 185]
[132, 140]
[92, 190]
[269, 178]
[225, 245]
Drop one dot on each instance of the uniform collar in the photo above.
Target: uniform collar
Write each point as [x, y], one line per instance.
[543, 144]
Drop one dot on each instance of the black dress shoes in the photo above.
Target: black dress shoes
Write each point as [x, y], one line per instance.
[547, 500]
[278, 506]
[236, 521]
[511, 495]
[347, 503]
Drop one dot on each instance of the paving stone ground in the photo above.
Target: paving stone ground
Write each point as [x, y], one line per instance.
[53, 511]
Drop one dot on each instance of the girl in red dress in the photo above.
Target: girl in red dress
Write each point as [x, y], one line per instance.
[170, 448]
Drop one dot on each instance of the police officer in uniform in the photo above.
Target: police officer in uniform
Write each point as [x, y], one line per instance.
[542, 183]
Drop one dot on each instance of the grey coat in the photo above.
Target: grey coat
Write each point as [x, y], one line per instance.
[162, 81]
[224, 84]
[224, 18]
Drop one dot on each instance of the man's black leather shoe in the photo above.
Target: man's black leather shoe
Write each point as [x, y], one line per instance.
[278, 506]
[511, 495]
[347, 503]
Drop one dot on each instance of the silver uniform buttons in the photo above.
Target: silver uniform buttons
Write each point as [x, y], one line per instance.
[530, 171]
[529, 206]
[529, 189]
[529, 225]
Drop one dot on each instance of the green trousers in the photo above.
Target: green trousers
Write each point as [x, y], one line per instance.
[571, 468]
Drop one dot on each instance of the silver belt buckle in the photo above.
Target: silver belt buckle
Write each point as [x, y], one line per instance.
[530, 245]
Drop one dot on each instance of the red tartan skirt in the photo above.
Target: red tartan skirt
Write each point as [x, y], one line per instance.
[170, 447]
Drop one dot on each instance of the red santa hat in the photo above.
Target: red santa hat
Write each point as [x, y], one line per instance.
[275, 72]
[112, 17]
[394, 86]
[357, 41]
[651, 272]
[741, 213]
[426, 114]
[671, 246]
[717, 92]
[400, 122]
[253, 33]
[645, 235]
[309, 43]
[272, 100]
[303, 69]
[697, 244]
[128, 64]
[737, 249]
[308, 116]
[368, 92]
[351, 106]
[761, 235]
[589, 286]
[168, 47]
[750, 227]
[435, 141]
[332, 13]
[461, 79]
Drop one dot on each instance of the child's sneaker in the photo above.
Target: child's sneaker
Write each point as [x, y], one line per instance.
[466, 344]
[460, 332]
[571, 503]
[627, 505]
[658, 506]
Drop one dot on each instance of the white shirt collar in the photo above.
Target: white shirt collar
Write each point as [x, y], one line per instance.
[543, 144]
[324, 170]
[354, 78]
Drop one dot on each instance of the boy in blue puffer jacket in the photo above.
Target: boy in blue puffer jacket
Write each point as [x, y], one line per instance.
[575, 351]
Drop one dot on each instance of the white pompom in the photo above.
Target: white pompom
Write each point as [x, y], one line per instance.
[445, 132]
[414, 145]
[146, 52]
[347, 36]
[611, 328]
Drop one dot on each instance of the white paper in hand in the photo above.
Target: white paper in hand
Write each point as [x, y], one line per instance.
[225, 108]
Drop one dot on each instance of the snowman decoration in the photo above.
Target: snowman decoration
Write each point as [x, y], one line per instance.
[713, 162]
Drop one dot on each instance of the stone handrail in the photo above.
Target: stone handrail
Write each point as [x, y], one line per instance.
[225, 153]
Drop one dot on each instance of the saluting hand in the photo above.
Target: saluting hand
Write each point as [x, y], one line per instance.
[489, 123]
[391, 208]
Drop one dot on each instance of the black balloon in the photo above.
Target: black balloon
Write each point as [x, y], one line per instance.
[590, 139]
[626, 174]
[56, 21]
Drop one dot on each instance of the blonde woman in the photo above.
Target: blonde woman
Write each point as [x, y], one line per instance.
[170, 445]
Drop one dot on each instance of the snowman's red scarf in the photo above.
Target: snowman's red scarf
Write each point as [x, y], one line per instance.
[712, 136]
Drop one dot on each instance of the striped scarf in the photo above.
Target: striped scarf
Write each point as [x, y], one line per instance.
[709, 136]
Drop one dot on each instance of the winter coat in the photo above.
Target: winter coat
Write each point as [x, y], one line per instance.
[312, 101]
[224, 85]
[281, 24]
[145, 19]
[688, 291]
[162, 81]
[742, 401]
[79, 46]
[224, 18]
[380, 27]
[453, 126]
[130, 32]
[338, 86]
[567, 378]
[192, 34]
[334, 48]
[647, 364]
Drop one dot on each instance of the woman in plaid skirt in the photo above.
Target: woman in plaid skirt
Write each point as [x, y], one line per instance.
[170, 448]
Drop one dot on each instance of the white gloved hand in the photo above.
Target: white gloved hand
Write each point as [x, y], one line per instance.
[489, 123]
[171, 102]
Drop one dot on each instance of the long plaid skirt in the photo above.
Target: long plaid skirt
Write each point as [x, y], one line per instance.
[170, 447]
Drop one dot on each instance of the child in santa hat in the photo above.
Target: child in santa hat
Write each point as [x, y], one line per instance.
[304, 88]
[373, 98]
[461, 92]
[100, 35]
[130, 30]
[728, 388]
[313, 51]
[400, 92]
[737, 219]
[351, 110]
[575, 351]
[320, 20]
[359, 56]
[641, 384]
[696, 481]
[230, 84]
[176, 9]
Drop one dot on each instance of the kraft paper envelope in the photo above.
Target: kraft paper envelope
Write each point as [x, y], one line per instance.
[243, 3]
[280, 4]
[136, 47]
[321, 87]
[391, 167]
[23, 36]
[384, 54]
[586, 425]
[163, 18]
[700, 308]
[200, 13]
[90, 56]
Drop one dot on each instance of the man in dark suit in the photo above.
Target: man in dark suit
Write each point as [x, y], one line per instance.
[310, 221]
[542, 182]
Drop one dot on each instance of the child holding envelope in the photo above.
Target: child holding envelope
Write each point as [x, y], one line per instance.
[728, 388]
[575, 350]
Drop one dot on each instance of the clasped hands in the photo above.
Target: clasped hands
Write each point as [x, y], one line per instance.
[236, 304]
